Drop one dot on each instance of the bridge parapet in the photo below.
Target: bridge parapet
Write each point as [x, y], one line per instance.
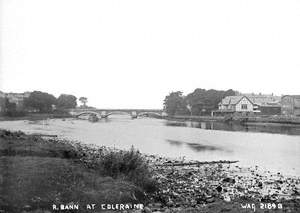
[104, 113]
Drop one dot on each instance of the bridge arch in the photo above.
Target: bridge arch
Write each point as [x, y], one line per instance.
[117, 113]
[87, 113]
[149, 113]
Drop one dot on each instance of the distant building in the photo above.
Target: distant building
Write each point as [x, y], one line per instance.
[290, 105]
[267, 104]
[2, 101]
[264, 104]
[236, 104]
[17, 98]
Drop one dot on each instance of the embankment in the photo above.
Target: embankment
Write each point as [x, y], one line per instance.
[276, 119]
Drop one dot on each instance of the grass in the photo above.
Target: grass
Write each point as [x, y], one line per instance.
[128, 165]
[34, 116]
[36, 173]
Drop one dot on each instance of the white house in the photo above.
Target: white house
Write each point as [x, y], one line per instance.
[239, 103]
[248, 103]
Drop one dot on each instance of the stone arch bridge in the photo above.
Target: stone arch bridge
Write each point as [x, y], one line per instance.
[105, 113]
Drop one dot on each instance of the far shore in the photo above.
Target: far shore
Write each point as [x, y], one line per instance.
[36, 116]
[261, 120]
[280, 120]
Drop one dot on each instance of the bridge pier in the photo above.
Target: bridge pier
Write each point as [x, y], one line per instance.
[93, 118]
[103, 114]
[134, 114]
[164, 114]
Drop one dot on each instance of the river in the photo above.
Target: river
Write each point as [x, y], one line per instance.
[275, 148]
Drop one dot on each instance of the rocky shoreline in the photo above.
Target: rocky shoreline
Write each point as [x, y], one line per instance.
[193, 186]
[185, 187]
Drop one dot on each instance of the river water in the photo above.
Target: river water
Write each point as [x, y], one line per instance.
[273, 148]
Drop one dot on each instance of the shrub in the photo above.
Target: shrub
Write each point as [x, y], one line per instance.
[14, 113]
[129, 165]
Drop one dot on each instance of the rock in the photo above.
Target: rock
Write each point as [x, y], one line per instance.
[170, 203]
[157, 205]
[147, 210]
[27, 207]
[260, 185]
[200, 200]
[229, 180]
[227, 198]
[226, 209]
[219, 188]
[193, 203]
[296, 192]
[210, 200]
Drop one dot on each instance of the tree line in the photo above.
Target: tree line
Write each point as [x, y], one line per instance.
[41, 102]
[199, 102]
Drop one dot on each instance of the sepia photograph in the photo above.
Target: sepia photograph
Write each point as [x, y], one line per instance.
[138, 106]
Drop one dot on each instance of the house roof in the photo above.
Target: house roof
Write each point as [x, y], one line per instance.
[265, 100]
[293, 96]
[231, 100]
[260, 100]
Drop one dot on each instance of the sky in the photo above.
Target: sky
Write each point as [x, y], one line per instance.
[131, 54]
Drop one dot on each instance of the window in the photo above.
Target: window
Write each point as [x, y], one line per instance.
[244, 106]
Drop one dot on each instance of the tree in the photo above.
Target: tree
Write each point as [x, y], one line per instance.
[40, 101]
[204, 101]
[65, 101]
[83, 100]
[175, 104]
[10, 108]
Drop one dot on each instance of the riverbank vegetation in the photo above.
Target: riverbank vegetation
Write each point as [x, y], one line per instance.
[36, 172]
[17, 105]
[199, 102]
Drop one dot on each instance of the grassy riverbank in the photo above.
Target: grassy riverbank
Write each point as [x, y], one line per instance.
[36, 116]
[37, 172]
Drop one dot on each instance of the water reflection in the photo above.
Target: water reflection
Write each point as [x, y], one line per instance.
[195, 146]
[174, 142]
[199, 147]
[253, 127]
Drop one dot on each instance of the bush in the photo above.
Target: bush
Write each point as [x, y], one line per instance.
[14, 113]
[129, 165]
[39, 182]
[124, 166]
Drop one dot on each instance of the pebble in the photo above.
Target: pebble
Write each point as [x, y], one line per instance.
[229, 180]
[227, 198]
[210, 200]
[147, 210]
[219, 188]
[170, 203]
